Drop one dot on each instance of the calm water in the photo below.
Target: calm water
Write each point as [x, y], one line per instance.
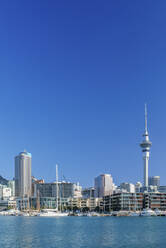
[72, 232]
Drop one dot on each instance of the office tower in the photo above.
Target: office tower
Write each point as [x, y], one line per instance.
[65, 190]
[154, 181]
[23, 179]
[145, 145]
[103, 185]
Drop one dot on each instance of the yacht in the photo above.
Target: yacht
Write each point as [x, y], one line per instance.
[134, 214]
[79, 214]
[92, 214]
[147, 212]
[51, 213]
[95, 214]
[25, 214]
[13, 212]
[158, 212]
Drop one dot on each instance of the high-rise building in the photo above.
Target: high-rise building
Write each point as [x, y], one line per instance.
[145, 145]
[154, 181]
[23, 180]
[103, 185]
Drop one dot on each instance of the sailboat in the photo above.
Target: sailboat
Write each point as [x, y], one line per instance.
[53, 212]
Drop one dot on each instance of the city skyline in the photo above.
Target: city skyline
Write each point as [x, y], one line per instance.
[145, 166]
[82, 123]
[74, 81]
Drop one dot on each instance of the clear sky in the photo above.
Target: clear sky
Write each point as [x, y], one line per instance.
[74, 77]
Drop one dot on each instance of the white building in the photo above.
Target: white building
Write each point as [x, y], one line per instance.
[103, 185]
[128, 187]
[77, 190]
[11, 185]
[5, 192]
[138, 187]
[23, 181]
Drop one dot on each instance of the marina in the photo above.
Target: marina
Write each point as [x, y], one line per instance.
[55, 213]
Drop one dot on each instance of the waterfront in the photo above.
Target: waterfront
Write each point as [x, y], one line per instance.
[82, 232]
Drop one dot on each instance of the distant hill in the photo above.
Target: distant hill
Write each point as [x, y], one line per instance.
[3, 180]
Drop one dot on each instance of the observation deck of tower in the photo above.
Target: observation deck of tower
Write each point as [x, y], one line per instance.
[145, 145]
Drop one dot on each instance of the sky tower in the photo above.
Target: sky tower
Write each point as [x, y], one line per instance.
[145, 145]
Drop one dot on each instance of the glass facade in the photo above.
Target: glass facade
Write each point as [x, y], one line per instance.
[65, 190]
[23, 175]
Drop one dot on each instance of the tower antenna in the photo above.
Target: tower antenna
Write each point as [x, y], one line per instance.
[146, 125]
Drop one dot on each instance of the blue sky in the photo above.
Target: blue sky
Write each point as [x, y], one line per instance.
[73, 82]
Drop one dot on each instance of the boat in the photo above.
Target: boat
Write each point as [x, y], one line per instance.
[92, 214]
[95, 214]
[51, 213]
[147, 212]
[25, 214]
[134, 214]
[54, 212]
[122, 213]
[79, 214]
[158, 212]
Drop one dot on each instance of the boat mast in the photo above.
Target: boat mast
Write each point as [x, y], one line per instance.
[28, 201]
[38, 200]
[57, 186]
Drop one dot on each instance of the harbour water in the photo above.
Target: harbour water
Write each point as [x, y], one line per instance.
[82, 232]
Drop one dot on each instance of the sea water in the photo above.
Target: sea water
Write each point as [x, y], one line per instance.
[82, 232]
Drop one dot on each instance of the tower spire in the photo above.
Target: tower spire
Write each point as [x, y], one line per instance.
[146, 127]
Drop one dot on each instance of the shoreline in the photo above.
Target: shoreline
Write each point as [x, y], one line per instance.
[54, 214]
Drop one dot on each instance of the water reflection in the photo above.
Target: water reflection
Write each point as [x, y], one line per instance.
[82, 232]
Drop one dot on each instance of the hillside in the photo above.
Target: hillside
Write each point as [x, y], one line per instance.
[3, 180]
